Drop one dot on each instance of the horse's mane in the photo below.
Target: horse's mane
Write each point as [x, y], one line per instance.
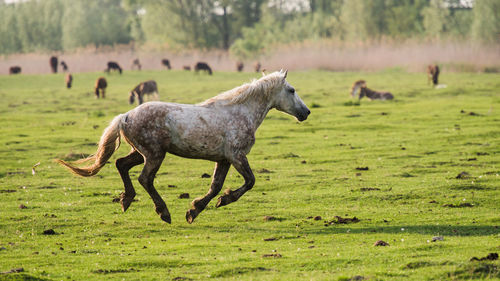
[356, 85]
[256, 89]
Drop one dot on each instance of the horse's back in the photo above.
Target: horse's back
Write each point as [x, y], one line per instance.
[182, 129]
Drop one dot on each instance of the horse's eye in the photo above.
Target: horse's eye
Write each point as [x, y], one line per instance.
[292, 90]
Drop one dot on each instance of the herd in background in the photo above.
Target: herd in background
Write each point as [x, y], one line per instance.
[359, 89]
[146, 88]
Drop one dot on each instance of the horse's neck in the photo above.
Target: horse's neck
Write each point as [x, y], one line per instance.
[355, 90]
[256, 112]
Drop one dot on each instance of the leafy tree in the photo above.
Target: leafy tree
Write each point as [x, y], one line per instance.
[404, 17]
[102, 22]
[435, 19]
[486, 24]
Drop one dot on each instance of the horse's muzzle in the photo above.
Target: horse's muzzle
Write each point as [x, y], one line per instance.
[303, 115]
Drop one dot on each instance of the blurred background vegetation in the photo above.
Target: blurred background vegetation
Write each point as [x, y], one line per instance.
[246, 28]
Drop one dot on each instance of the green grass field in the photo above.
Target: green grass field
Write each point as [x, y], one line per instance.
[414, 147]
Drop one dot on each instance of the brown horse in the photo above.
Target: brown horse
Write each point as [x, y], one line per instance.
[14, 70]
[203, 66]
[433, 74]
[136, 64]
[166, 63]
[221, 129]
[239, 66]
[64, 66]
[257, 66]
[69, 79]
[113, 66]
[359, 89]
[53, 64]
[100, 87]
[145, 88]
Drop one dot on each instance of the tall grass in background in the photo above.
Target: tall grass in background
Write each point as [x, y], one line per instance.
[413, 56]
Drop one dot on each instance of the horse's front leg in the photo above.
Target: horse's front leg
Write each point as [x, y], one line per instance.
[242, 166]
[199, 204]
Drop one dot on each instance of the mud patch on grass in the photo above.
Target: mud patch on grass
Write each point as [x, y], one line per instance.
[21, 277]
[94, 194]
[363, 189]
[47, 187]
[272, 218]
[264, 171]
[112, 271]
[463, 175]
[475, 271]
[341, 220]
[469, 187]
[362, 168]
[238, 271]
[418, 264]
[460, 205]
[489, 257]
[289, 155]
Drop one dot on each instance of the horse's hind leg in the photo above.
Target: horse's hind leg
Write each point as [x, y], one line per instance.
[123, 165]
[242, 166]
[199, 204]
[151, 166]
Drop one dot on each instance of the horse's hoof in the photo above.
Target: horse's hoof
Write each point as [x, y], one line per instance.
[223, 201]
[191, 214]
[166, 218]
[227, 198]
[125, 201]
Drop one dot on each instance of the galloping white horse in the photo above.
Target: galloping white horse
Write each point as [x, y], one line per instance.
[220, 129]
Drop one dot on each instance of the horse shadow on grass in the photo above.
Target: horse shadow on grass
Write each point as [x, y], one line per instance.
[445, 230]
[320, 229]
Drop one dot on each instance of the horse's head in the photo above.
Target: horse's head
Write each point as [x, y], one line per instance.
[287, 100]
[357, 87]
[131, 98]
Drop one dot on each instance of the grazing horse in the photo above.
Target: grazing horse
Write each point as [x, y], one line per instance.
[136, 64]
[14, 69]
[433, 74]
[239, 66]
[53, 64]
[64, 66]
[187, 68]
[220, 129]
[69, 79]
[359, 89]
[203, 66]
[145, 88]
[113, 66]
[257, 66]
[166, 63]
[100, 86]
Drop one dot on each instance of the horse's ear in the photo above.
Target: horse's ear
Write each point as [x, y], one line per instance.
[286, 72]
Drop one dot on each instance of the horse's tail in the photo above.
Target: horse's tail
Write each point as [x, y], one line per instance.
[110, 141]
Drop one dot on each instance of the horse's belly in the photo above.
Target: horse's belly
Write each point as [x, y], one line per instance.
[200, 147]
[196, 138]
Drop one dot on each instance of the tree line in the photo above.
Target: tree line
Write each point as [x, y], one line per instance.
[244, 27]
